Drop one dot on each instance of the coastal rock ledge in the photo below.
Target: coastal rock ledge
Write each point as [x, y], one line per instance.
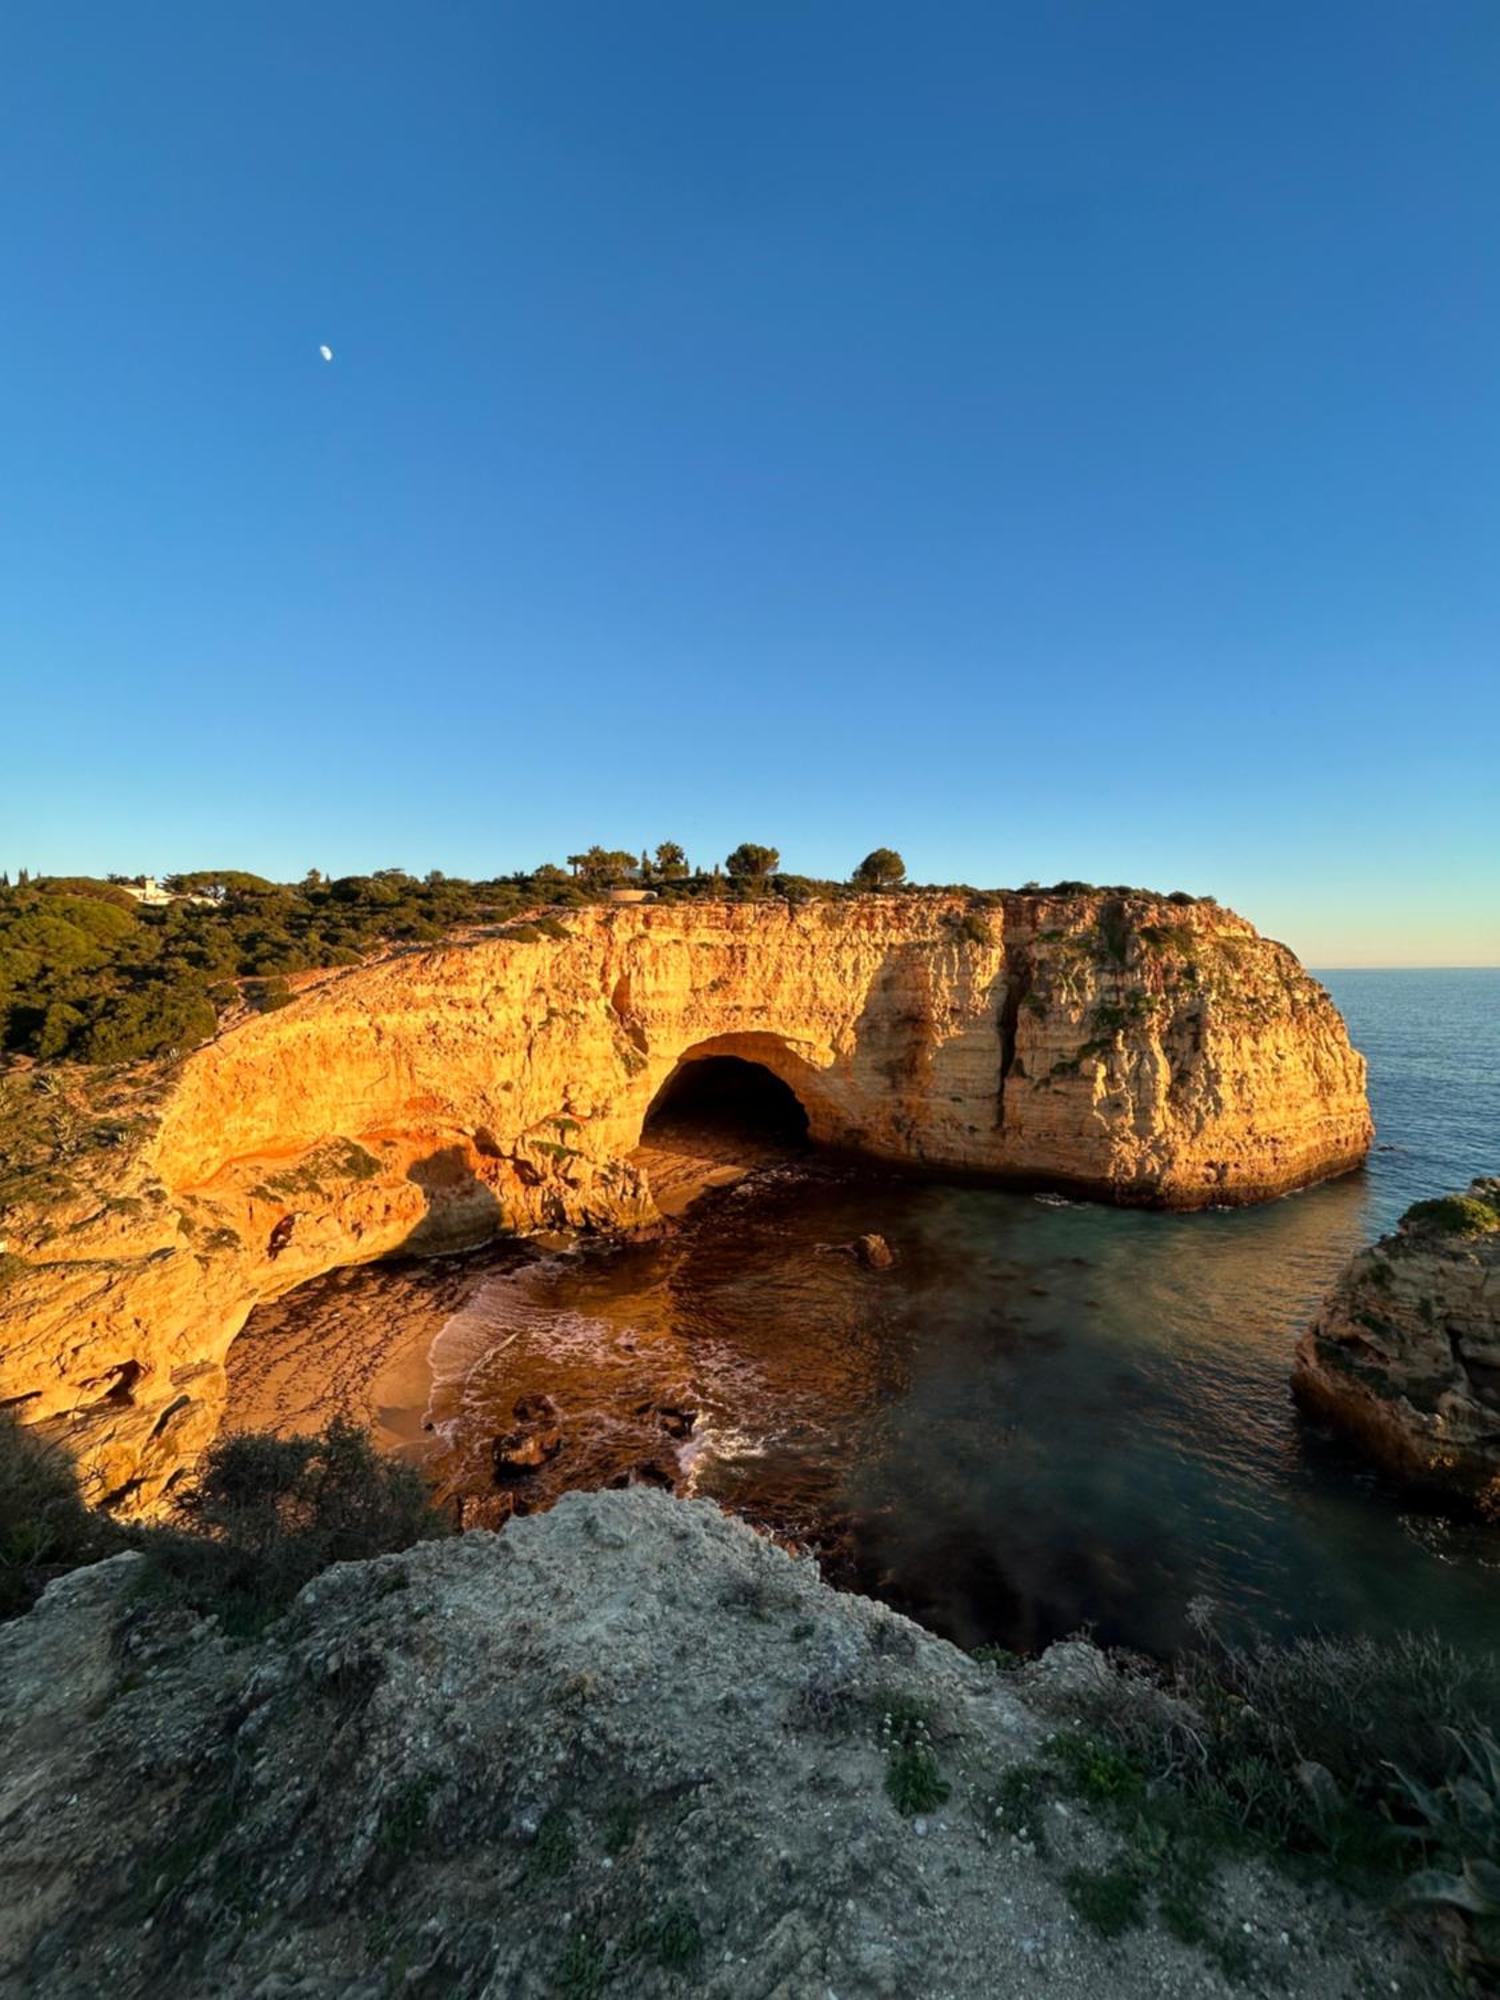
[1129, 1047]
[624, 1748]
[1404, 1355]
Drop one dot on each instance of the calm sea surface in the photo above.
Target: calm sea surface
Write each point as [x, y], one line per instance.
[1049, 1414]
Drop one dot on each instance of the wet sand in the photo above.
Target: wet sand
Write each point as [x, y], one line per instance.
[355, 1342]
[358, 1341]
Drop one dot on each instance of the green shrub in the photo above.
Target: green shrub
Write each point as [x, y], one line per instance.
[1454, 1215]
[1016, 1806]
[404, 1821]
[1459, 1823]
[1372, 1763]
[913, 1782]
[1097, 1770]
[674, 1940]
[265, 1514]
[1109, 1899]
[45, 1528]
[971, 927]
[555, 1850]
[265, 996]
[581, 1974]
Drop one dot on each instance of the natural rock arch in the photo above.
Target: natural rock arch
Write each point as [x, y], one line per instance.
[1134, 1048]
[729, 1095]
[768, 1056]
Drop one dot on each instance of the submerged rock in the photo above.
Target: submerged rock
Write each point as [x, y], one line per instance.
[524, 1451]
[872, 1251]
[1404, 1356]
[536, 1441]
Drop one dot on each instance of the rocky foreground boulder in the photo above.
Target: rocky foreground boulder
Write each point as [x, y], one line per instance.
[1404, 1355]
[626, 1747]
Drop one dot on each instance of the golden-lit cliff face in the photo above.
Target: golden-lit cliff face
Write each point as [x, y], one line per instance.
[1124, 1046]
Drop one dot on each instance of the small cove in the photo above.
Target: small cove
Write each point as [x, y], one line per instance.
[1048, 1415]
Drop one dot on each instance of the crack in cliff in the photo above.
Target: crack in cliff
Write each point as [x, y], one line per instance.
[1018, 983]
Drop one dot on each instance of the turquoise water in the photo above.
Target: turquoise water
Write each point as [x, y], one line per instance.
[1052, 1414]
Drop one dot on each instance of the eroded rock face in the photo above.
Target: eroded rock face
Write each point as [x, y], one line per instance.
[1405, 1354]
[1124, 1046]
[626, 1747]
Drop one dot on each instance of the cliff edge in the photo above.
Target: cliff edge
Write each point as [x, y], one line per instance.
[626, 1747]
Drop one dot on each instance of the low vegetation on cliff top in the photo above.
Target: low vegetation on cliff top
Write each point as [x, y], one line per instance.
[1373, 1764]
[45, 1528]
[1476, 1213]
[261, 1517]
[90, 972]
[264, 1515]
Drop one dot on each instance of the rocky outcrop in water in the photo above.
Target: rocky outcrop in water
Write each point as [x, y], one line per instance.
[1404, 1355]
[1123, 1046]
[626, 1747]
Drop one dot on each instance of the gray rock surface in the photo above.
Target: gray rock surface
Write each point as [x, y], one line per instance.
[1404, 1354]
[625, 1747]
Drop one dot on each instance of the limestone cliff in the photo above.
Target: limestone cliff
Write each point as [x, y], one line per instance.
[1405, 1353]
[1127, 1047]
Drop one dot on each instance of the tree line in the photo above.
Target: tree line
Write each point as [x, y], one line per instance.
[666, 865]
[90, 973]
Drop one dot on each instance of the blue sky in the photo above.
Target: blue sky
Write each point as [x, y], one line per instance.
[1054, 440]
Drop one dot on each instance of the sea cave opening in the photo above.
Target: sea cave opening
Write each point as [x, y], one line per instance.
[729, 1099]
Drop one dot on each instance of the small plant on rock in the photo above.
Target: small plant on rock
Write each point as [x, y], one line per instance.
[1459, 1824]
[406, 1816]
[1016, 1807]
[581, 1974]
[913, 1781]
[674, 1939]
[556, 1850]
[1107, 1898]
[1476, 1213]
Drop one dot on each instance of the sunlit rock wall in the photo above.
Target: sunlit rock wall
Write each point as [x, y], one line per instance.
[1126, 1047]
